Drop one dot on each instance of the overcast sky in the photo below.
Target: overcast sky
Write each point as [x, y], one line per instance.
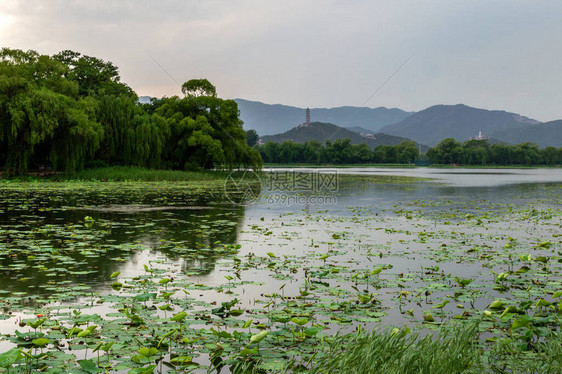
[488, 54]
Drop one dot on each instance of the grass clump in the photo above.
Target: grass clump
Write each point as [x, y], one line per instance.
[454, 351]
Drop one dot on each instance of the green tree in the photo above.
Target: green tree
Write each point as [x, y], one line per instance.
[551, 155]
[313, 152]
[198, 87]
[476, 152]
[361, 153]
[407, 152]
[252, 137]
[526, 154]
[270, 152]
[93, 75]
[448, 151]
[132, 136]
[42, 118]
[205, 131]
[500, 154]
[339, 152]
[385, 154]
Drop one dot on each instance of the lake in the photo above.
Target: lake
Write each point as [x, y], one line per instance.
[319, 251]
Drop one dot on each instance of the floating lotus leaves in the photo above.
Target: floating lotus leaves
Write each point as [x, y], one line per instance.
[148, 352]
[89, 366]
[144, 370]
[8, 358]
[183, 361]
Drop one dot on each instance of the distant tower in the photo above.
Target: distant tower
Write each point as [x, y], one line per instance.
[307, 116]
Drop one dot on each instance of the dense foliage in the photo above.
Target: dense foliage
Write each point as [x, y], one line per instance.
[68, 111]
[340, 151]
[481, 152]
[448, 151]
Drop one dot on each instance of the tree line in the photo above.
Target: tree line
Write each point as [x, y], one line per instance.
[341, 151]
[448, 151]
[481, 152]
[68, 111]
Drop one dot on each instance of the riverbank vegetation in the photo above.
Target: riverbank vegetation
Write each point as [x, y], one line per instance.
[447, 152]
[122, 173]
[453, 350]
[482, 153]
[341, 151]
[69, 111]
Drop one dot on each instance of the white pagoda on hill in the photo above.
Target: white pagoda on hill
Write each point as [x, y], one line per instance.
[479, 137]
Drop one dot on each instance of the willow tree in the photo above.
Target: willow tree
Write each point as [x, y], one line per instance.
[41, 116]
[145, 141]
[77, 136]
[205, 131]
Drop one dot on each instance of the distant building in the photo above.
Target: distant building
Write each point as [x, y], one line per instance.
[368, 136]
[306, 119]
[478, 137]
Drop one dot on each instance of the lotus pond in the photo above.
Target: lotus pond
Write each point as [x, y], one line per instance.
[146, 277]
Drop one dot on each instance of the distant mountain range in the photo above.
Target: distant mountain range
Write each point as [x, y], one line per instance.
[543, 134]
[460, 122]
[269, 119]
[391, 126]
[145, 99]
[323, 132]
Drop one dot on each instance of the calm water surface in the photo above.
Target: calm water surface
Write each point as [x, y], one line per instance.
[143, 222]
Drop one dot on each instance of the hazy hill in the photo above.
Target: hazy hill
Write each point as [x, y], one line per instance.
[438, 122]
[544, 134]
[269, 119]
[360, 130]
[327, 131]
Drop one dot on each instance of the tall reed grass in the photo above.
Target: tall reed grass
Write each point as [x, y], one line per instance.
[454, 350]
